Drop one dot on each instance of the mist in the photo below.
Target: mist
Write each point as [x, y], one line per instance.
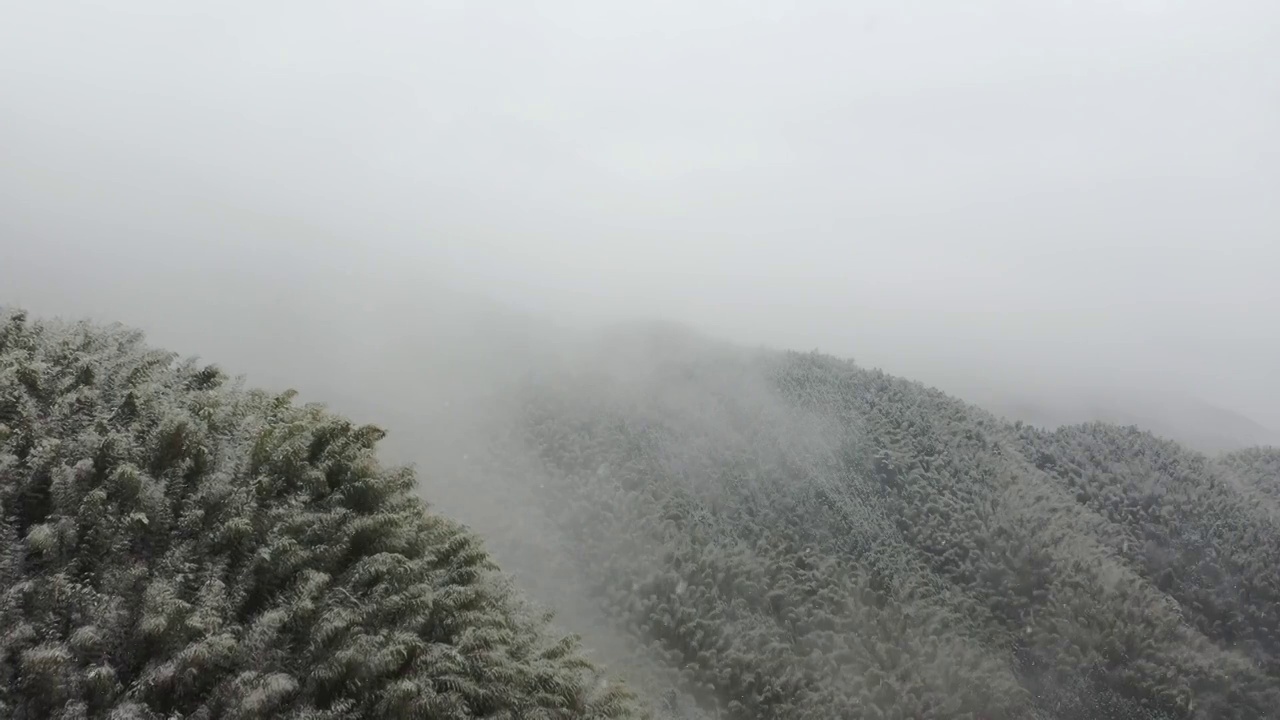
[1020, 205]
[434, 216]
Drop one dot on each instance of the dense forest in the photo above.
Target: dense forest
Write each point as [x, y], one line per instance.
[743, 534]
[794, 536]
[175, 546]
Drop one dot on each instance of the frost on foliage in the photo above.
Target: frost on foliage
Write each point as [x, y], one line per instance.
[174, 546]
[802, 538]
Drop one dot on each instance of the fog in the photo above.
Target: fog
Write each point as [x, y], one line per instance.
[1042, 207]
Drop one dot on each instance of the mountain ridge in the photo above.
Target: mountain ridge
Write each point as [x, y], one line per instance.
[713, 453]
[747, 533]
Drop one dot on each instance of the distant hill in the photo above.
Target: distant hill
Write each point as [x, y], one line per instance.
[783, 535]
[1195, 423]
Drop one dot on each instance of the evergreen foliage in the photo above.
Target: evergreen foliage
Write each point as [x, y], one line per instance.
[172, 545]
[804, 538]
[786, 536]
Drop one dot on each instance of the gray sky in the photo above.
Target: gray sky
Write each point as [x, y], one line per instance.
[1034, 193]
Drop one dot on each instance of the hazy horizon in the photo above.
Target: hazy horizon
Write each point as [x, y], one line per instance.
[1051, 201]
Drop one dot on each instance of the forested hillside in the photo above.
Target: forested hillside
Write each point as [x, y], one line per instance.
[174, 546]
[794, 536]
[742, 534]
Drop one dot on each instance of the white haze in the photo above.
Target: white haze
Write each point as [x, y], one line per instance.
[1062, 210]
[1040, 206]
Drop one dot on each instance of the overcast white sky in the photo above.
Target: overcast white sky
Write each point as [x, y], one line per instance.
[1048, 191]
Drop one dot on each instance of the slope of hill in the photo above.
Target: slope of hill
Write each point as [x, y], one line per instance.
[1196, 424]
[743, 534]
[174, 546]
[1258, 471]
[798, 537]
